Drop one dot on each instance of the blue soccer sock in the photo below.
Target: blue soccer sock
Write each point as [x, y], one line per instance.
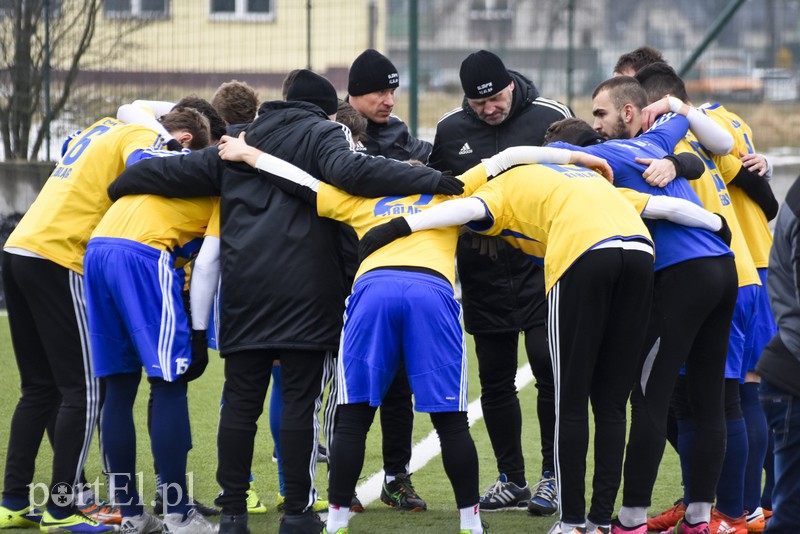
[275, 410]
[14, 504]
[171, 441]
[757, 431]
[119, 439]
[730, 489]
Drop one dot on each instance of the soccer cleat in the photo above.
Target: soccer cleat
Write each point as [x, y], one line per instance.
[320, 505]
[558, 529]
[193, 523]
[545, 496]
[400, 494]
[233, 524]
[306, 523]
[254, 504]
[504, 495]
[599, 530]
[668, 518]
[618, 528]
[722, 524]
[484, 526]
[355, 505]
[25, 518]
[756, 522]
[74, 523]
[101, 511]
[344, 530]
[203, 509]
[685, 528]
[141, 524]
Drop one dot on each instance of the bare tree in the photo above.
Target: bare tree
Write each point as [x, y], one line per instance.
[22, 30]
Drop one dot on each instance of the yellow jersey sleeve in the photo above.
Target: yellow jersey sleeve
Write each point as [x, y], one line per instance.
[431, 249]
[60, 221]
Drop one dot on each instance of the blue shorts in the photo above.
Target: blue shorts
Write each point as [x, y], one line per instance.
[763, 329]
[745, 316]
[395, 316]
[135, 311]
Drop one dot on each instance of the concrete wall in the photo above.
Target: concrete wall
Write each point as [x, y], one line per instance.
[20, 182]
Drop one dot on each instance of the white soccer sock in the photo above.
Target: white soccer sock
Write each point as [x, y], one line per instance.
[390, 478]
[569, 527]
[632, 516]
[338, 517]
[698, 512]
[470, 518]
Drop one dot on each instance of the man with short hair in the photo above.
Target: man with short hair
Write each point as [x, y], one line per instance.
[236, 102]
[503, 291]
[629, 63]
[372, 82]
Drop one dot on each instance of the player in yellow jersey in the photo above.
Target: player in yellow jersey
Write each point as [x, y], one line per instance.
[660, 80]
[42, 276]
[137, 318]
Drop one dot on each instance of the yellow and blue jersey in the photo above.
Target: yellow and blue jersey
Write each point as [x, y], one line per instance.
[674, 242]
[174, 225]
[433, 249]
[714, 195]
[751, 217]
[73, 200]
[556, 213]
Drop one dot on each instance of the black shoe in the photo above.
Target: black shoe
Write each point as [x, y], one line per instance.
[400, 495]
[233, 524]
[322, 454]
[355, 505]
[202, 509]
[306, 523]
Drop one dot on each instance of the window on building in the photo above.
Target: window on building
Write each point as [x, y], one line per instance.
[8, 7]
[491, 20]
[118, 9]
[255, 10]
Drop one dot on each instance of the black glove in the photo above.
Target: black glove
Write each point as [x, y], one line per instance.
[725, 231]
[687, 165]
[449, 185]
[381, 235]
[174, 145]
[199, 356]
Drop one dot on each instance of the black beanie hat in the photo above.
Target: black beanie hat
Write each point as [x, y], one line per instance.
[371, 71]
[483, 75]
[310, 87]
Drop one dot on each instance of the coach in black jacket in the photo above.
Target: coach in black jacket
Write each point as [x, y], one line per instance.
[502, 290]
[283, 282]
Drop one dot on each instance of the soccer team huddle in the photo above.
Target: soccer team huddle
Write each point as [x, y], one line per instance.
[312, 241]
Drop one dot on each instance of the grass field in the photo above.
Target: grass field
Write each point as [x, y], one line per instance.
[430, 481]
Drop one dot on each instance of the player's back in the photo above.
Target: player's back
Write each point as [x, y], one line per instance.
[560, 210]
[73, 200]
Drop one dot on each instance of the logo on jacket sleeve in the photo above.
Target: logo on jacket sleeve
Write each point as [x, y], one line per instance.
[465, 150]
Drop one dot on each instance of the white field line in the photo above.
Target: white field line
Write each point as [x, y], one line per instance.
[428, 449]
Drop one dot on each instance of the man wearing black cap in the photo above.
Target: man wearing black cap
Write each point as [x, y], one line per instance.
[282, 279]
[371, 84]
[503, 291]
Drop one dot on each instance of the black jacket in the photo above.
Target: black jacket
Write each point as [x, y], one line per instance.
[506, 293]
[283, 281]
[393, 140]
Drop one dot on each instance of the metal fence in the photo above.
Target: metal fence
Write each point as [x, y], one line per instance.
[164, 49]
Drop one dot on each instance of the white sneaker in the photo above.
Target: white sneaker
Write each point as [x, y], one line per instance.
[141, 524]
[193, 524]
